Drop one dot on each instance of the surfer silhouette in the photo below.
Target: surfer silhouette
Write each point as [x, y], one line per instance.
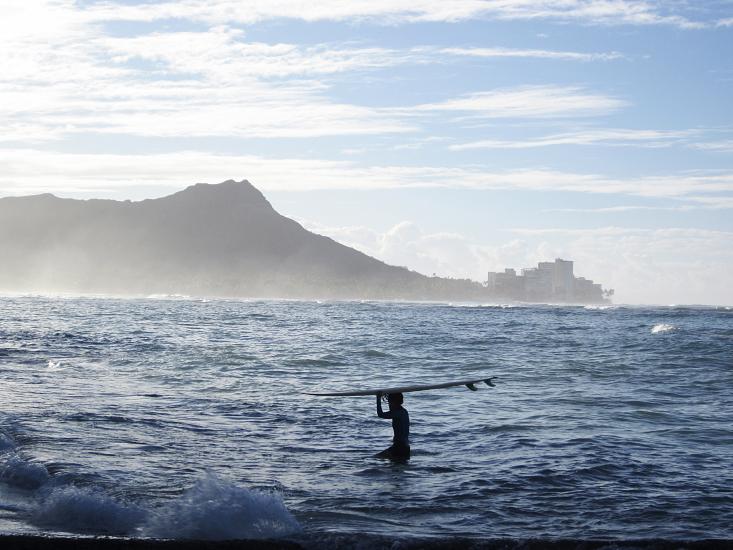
[400, 449]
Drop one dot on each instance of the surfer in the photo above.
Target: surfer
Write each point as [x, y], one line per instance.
[400, 449]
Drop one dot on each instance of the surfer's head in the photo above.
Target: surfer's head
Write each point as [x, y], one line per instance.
[395, 400]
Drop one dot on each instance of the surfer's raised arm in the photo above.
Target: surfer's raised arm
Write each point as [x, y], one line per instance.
[380, 412]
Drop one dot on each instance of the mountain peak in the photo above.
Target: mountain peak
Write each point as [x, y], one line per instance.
[228, 192]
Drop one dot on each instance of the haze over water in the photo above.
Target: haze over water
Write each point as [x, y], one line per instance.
[182, 417]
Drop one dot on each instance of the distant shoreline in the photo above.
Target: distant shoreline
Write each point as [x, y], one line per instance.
[208, 298]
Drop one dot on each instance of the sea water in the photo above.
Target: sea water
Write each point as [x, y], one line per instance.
[188, 418]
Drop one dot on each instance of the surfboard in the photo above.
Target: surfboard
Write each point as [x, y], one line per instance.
[470, 384]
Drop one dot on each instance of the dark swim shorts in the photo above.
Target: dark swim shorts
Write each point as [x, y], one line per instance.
[396, 452]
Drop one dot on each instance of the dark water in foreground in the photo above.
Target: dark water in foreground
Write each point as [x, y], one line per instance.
[185, 418]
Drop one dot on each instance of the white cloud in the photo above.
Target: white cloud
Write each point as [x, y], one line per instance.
[28, 170]
[606, 12]
[62, 75]
[75, 79]
[222, 54]
[662, 266]
[630, 208]
[657, 266]
[611, 137]
[532, 53]
[529, 102]
[406, 244]
[723, 146]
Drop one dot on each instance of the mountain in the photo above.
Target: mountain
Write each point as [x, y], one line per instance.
[213, 240]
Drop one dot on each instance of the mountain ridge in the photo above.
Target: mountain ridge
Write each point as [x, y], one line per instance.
[221, 239]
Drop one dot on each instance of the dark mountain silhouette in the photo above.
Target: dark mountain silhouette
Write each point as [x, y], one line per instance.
[216, 240]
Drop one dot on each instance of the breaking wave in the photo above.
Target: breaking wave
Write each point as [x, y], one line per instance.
[662, 328]
[213, 509]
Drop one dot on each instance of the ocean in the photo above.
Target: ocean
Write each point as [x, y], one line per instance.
[174, 417]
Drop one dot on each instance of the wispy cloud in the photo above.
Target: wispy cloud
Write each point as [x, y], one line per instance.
[723, 146]
[223, 53]
[532, 53]
[630, 208]
[70, 77]
[211, 83]
[611, 137]
[529, 102]
[35, 171]
[694, 233]
[599, 12]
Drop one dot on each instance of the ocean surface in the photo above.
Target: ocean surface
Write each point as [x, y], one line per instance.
[184, 418]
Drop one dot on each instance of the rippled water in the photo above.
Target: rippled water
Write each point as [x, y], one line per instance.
[186, 418]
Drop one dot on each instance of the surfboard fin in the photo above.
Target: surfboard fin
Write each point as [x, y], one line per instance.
[489, 382]
[471, 387]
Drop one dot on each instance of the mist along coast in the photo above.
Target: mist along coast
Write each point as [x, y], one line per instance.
[226, 240]
[186, 419]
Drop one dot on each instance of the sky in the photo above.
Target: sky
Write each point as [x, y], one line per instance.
[453, 137]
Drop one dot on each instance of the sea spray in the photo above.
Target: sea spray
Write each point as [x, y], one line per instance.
[214, 509]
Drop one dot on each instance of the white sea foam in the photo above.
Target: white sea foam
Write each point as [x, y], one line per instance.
[22, 473]
[168, 297]
[663, 327]
[85, 510]
[483, 305]
[54, 365]
[214, 509]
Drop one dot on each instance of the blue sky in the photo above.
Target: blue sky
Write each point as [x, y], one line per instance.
[450, 137]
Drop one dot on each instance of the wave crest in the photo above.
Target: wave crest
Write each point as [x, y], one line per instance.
[213, 509]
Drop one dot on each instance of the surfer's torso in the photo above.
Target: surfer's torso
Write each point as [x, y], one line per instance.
[400, 426]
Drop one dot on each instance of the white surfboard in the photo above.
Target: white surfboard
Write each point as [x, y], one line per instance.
[470, 384]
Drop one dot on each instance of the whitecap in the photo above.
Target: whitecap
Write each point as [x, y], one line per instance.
[216, 510]
[167, 297]
[663, 327]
